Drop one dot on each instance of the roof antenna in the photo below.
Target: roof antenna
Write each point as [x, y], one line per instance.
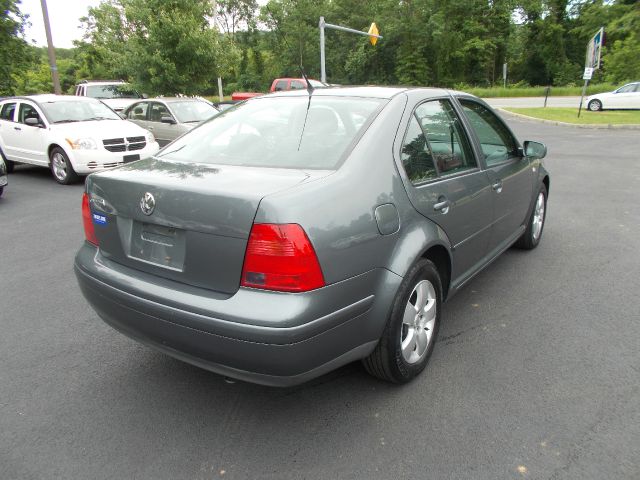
[306, 79]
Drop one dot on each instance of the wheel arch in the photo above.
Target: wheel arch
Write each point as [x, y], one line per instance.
[57, 145]
[425, 240]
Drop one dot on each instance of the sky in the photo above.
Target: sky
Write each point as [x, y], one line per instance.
[64, 18]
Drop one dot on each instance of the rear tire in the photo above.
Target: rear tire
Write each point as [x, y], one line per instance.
[532, 235]
[61, 168]
[410, 335]
[595, 105]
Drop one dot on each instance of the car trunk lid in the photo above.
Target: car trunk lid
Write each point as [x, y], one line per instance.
[187, 222]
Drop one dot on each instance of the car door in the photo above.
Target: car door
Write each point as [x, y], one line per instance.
[445, 183]
[137, 113]
[508, 169]
[623, 97]
[8, 128]
[164, 132]
[30, 140]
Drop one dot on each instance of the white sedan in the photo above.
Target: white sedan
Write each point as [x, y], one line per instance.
[70, 135]
[626, 97]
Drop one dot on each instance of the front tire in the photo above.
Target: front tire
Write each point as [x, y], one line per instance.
[532, 235]
[61, 168]
[410, 335]
[10, 165]
[595, 105]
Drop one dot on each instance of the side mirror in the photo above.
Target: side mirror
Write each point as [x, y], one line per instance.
[32, 122]
[144, 95]
[168, 120]
[535, 149]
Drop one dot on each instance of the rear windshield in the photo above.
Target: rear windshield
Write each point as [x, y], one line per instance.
[285, 132]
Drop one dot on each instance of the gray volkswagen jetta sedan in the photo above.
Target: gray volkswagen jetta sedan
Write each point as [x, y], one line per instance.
[300, 231]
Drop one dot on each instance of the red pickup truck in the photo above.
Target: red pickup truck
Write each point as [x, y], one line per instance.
[279, 85]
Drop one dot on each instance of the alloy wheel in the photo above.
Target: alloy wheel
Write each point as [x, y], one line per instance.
[418, 322]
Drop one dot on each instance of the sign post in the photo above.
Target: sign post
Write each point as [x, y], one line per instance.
[592, 61]
[373, 35]
[504, 75]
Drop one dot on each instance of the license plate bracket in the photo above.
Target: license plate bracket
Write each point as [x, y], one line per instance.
[131, 158]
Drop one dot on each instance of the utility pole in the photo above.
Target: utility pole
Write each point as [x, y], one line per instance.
[52, 54]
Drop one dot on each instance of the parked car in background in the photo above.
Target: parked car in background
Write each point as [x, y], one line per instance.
[70, 135]
[115, 93]
[298, 232]
[168, 118]
[279, 85]
[624, 98]
[3, 175]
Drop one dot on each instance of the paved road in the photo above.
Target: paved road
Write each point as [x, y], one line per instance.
[535, 102]
[536, 374]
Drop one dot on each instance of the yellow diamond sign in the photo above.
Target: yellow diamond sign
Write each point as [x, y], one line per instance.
[373, 30]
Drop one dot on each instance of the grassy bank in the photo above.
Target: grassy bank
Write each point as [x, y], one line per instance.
[570, 115]
[539, 91]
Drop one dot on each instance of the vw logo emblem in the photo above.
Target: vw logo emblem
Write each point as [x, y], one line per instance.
[147, 203]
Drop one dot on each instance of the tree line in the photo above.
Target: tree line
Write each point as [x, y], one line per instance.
[182, 46]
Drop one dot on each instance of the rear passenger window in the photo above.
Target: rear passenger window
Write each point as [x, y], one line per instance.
[435, 143]
[416, 156]
[7, 111]
[297, 85]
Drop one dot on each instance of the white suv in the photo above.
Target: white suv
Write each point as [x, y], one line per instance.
[115, 93]
[70, 135]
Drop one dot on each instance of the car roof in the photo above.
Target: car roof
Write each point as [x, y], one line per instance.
[365, 91]
[50, 97]
[103, 82]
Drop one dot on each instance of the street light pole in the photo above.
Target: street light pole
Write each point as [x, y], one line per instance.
[52, 54]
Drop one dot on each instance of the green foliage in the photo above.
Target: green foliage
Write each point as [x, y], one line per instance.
[15, 54]
[182, 46]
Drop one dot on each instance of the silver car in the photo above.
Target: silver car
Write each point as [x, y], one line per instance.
[168, 118]
[297, 232]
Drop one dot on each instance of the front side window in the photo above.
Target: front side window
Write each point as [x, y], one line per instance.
[435, 143]
[7, 111]
[498, 145]
[27, 111]
[138, 111]
[627, 88]
[281, 85]
[157, 111]
[284, 132]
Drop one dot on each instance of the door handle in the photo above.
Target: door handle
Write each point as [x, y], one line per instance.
[442, 206]
[17, 128]
[497, 186]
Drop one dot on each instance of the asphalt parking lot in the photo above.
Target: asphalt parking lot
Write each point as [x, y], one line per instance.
[536, 373]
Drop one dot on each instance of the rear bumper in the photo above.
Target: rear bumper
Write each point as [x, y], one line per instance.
[263, 337]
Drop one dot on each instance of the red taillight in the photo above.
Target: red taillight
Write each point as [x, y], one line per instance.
[89, 231]
[281, 257]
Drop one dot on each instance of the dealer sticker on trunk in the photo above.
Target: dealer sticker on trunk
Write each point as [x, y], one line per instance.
[99, 219]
